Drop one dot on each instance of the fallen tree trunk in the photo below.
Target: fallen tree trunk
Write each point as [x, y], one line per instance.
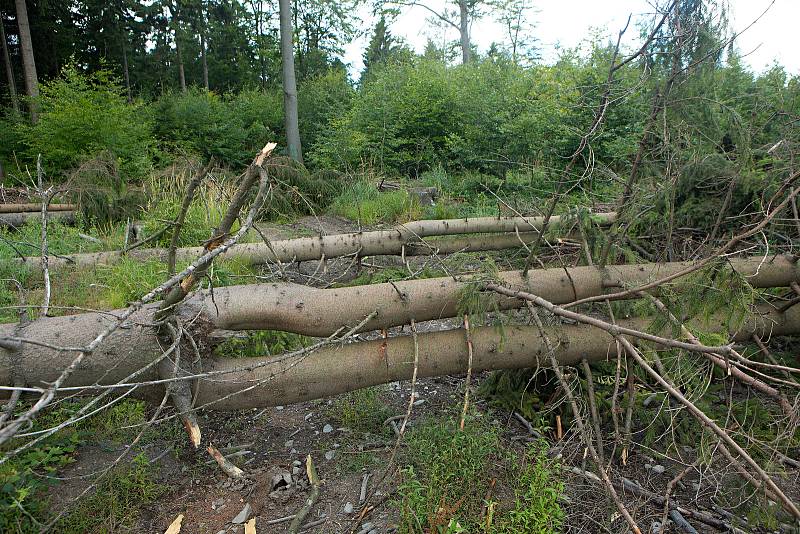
[406, 238]
[17, 208]
[233, 384]
[321, 312]
[22, 217]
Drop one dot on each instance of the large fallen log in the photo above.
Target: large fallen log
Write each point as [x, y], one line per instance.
[21, 218]
[406, 238]
[17, 208]
[321, 312]
[232, 384]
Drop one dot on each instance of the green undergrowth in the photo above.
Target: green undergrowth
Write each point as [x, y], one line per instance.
[29, 478]
[362, 410]
[262, 343]
[464, 481]
[117, 502]
[361, 201]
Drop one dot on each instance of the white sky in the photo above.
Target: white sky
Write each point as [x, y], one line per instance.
[568, 23]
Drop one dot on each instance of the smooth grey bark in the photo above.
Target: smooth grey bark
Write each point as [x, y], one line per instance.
[463, 12]
[125, 71]
[181, 73]
[12, 86]
[289, 83]
[28, 61]
[500, 233]
[203, 56]
[267, 381]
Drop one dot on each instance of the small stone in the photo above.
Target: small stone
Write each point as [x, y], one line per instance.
[648, 466]
[419, 402]
[659, 469]
[330, 455]
[348, 508]
[367, 526]
[293, 451]
[218, 503]
[242, 516]
[289, 443]
[655, 527]
[297, 463]
[327, 429]
[279, 407]
[296, 471]
[309, 415]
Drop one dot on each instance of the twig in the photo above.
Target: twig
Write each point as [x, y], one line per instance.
[313, 479]
[46, 196]
[709, 423]
[469, 371]
[178, 224]
[581, 428]
[587, 371]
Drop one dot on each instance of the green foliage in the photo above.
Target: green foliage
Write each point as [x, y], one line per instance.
[362, 202]
[449, 475]
[128, 280]
[362, 410]
[536, 504]
[262, 343]
[82, 115]
[232, 130]
[25, 478]
[116, 503]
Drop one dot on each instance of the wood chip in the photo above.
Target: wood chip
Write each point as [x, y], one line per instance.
[175, 526]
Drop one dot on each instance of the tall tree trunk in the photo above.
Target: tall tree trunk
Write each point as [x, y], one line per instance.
[125, 70]
[203, 55]
[12, 86]
[28, 62]
[466, 51]
[181, 74]
[289, 83]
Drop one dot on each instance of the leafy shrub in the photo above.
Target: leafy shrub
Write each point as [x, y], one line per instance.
[82, 115]
[536, 507]
[232, 129]
[448, 474]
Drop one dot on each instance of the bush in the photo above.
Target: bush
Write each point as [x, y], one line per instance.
[232, 130]
[82, 115]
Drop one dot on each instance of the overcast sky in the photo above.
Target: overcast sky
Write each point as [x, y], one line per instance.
[568, 23]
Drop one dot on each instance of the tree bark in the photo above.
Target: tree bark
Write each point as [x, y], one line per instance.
[125, 72]
[289, 83]
[405, 238]
[181, 73]
[466, 50]
[22, 217]
[28, 61]
[12, 86]
[203, 56]
[267, 381]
